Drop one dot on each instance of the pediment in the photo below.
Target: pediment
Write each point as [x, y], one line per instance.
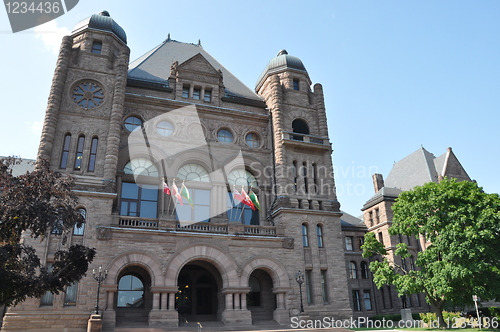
[198, 64]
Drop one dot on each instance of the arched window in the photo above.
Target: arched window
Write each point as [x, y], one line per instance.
[305, 235]
[65, 151]
[253, 297]
[241, 177]
[93, 154]
[139, 200]
[315, 177]
[80, 230]
[299, 126]
[295, 175]
[241, 183]
[304, 175]
[364, 270]
[130, 292]
[193, 172]
[79, 152]
[353, 271]
[319, 234]
[141, 166]
[200, 197]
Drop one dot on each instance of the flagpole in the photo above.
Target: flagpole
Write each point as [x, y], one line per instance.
[231, 214]
[176, 199]
[242, 205]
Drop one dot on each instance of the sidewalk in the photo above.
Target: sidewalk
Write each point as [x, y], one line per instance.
[270, 326]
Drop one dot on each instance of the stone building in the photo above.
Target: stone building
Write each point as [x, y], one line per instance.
[418, 168]
[139, 138]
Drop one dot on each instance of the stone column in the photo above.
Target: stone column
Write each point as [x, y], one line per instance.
[229, 301]
[237, 301]
[243, 301]
[113, 142]
[320, 106]
[55, 98]
[171, 301]
[275, 101]
[109, 313]
[164, 301]
[156, 301]
[280, 301]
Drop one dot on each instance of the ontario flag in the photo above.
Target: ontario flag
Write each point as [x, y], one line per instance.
[177, 194]
[166, 189]
[185, 194]
[254, 199]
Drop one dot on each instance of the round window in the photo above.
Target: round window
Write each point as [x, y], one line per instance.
[225, 136]
[165, 128]
[88, 95]
[133, 123]
[252, 140]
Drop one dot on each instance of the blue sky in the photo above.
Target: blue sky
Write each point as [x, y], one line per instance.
[397, 75]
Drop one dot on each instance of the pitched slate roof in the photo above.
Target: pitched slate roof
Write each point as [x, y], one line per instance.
[154, 67]
[421, 167]
[348, 220]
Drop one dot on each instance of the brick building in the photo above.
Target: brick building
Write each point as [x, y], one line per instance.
[177, 117]
[418, 168]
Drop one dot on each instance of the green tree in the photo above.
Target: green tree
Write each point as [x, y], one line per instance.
[462, 226]
[34, 204]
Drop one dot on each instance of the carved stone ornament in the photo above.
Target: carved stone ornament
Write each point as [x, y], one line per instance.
[288, 242]
[103, 233]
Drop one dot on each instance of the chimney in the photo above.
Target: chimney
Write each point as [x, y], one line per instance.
[378, 181]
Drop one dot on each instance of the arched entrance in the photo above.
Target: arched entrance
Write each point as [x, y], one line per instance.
[199, 296]
[261, 301]
[134, 300]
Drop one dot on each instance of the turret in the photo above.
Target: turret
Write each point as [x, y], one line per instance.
[302, 149]
[83, 119]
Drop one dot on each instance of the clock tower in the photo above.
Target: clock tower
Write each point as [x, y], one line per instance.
[85, 105]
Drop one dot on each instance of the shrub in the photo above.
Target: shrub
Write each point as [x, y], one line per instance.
[428, 317]
[395, 318]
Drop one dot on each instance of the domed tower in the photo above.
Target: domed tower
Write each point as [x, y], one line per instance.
[306, 203]
[82, 122]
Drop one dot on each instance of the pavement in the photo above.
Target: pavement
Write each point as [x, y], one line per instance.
[270, 326]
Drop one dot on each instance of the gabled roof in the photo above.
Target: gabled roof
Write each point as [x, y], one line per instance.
[414, 170]
[154, 67]
[421, 167]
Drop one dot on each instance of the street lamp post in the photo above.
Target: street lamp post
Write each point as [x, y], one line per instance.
[299, 277]
[99, 277]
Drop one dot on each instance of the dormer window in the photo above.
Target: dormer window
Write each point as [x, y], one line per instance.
[296, 85]
[97, 47]
[185, 91]
[196, 93]
[208, 95]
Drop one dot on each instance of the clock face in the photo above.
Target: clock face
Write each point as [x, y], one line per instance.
[88, 95]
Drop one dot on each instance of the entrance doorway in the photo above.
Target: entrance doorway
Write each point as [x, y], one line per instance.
[134, 300]
[198, 295]
[260, 300]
